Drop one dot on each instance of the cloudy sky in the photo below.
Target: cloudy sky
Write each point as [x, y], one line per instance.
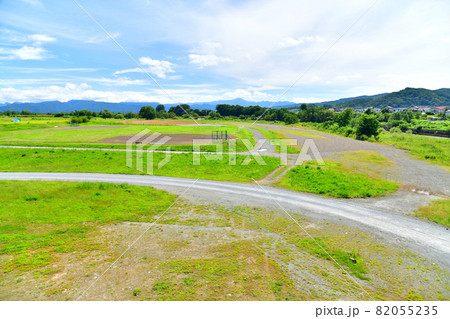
[184, 51]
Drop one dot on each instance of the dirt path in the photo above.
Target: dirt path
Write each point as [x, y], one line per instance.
[412, 173]
[425, 238]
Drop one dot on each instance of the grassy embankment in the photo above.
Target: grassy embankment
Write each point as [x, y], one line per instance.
[354, 174]
[96, 161]
[57, 236]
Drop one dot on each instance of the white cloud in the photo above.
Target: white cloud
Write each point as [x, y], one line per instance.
[159, 68]
[23, 53]
[33, 51]
[349, 77]
[101, 38]
[70, 91]
[247, 95]
[83, 91]
[38, 39]
[207, 60]
[292, 42]
[205, 54]
[119, 81]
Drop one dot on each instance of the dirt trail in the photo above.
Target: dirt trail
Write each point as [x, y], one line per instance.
[426, 238]
[412, 173]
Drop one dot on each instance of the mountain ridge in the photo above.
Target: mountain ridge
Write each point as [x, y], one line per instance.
[403, 98]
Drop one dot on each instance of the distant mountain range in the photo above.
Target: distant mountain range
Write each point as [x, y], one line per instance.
[57, 106]
[404, 98]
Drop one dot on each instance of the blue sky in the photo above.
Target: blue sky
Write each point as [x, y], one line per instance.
[217, 49]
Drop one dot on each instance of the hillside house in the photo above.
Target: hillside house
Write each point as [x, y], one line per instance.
[439, 109]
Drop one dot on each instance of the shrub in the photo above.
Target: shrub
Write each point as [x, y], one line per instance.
[368, 126]
[395, 130]
[32, 198]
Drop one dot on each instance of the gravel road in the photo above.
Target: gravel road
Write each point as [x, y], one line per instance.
[425, 238]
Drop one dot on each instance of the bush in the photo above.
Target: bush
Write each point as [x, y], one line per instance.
[395, 130]
[290, 118]
[368, 126]
[348, 131]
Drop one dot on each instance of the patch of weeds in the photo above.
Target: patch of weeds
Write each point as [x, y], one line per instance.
[276, 286]
[413, 296]
[172, 221]
[85, 185]
[136, 292]
[161, 286]
[352, 260]
[33, 198]
[189, 280]
[438, 211]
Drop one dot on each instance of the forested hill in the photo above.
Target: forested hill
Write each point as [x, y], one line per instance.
[404, 98]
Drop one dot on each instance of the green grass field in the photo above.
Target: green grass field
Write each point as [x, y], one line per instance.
[56, 237]
[41, 219]
[432, 149]
[438, 211]
[332, 180]
[95, 161]
[276, 138]
[43, 133]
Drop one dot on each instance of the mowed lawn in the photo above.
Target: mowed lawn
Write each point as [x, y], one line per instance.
[96, 161]
[85, 134]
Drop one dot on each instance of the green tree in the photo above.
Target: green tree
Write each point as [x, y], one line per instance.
[368, 126]
[147, 112]
[130, 115]
[160, 108]
[290, 118]
[343, 119]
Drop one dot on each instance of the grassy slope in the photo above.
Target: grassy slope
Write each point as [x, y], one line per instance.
[95, 161]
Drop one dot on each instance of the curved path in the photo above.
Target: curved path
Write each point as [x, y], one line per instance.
[429, 239]
[410, 172]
